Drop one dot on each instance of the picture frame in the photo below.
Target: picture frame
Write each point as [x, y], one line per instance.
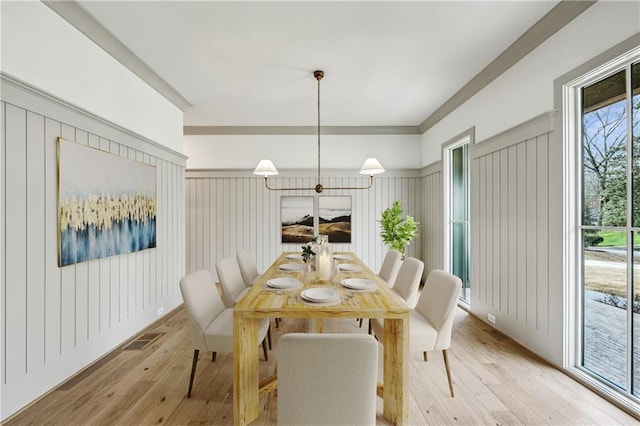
[334, 218]
[106, 204]
[296, 218]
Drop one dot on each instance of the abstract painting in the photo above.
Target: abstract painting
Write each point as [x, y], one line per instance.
[106, 204]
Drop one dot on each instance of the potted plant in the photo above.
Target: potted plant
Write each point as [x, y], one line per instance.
[397, 231]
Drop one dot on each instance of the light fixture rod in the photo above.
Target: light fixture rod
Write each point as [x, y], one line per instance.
[370, 167]
[318, 74]
[266, 184]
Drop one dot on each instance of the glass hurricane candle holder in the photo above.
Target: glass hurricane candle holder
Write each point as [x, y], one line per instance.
[324, 262]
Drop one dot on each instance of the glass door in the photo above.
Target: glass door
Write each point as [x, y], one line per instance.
[610, 229]
[459, 216]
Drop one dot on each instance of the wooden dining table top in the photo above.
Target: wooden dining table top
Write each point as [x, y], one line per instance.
[263, 301]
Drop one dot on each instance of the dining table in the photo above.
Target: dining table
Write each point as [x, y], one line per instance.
[287, 290]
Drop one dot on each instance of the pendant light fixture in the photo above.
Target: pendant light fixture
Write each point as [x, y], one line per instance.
[266, 168]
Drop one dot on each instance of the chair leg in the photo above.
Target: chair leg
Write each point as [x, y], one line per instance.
[277, 323]
[370, 331]
[264, 349]
[360, 321]
[193, 370]
[424, 355]
[446, 366]
[269, 336]
[213, 357]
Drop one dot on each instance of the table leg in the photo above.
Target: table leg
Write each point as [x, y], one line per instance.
[396, 370]
[245, 369]
[319, 325]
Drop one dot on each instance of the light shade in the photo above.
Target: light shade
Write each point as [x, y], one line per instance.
[265, 168]
[371, 167]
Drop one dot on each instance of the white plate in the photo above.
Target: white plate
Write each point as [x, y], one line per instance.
[349, 267]
[342, 257]
[283, 283]
[290, 267]
[358, 284]
[294, 256]
[320, 294]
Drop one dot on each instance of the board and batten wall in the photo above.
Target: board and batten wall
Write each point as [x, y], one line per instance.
[232, 210]
[55, 321]
[516, 234]
[433, 217]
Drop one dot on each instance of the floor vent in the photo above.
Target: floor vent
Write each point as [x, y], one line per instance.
[142, 341]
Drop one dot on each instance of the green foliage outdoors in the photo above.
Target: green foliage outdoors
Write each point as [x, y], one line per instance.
[397, 232]
[606, 169]
[609, 239]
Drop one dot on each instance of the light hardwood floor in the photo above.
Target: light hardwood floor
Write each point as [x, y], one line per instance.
[496, 382]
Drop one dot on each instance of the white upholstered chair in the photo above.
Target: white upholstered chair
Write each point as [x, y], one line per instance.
[327, 379]
[431, 321]
[406, 283]
[248, 267]
[210, 322]
[230, 277]
[408, 280]
[390, 267]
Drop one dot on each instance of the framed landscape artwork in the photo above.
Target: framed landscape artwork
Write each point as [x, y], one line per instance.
[106, 204]
[335, 218]
[296, 219]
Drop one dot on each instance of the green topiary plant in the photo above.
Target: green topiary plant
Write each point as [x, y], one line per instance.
[397, 232]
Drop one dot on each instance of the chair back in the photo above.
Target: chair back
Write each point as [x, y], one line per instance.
[408, 280]
[202, 303]
[248, 268]
[390, 267]
[312, 389]
[437, 304]
[230, 279]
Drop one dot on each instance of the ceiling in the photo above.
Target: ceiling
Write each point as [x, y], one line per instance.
[251, 63]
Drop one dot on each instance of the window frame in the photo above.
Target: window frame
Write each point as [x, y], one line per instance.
[465, 137]
[571, 105]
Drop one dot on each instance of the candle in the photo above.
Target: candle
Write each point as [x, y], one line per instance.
[324, 267]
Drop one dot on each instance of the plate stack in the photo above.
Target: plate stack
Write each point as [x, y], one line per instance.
[320, 295]
[358, 284]
[349, 267]
[284, 283]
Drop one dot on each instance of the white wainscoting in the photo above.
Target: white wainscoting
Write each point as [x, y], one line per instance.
[55, 321]
[516, 237]
[432, 217]
[232, 210]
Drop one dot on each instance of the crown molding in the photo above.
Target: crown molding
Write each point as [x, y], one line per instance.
[563, 13]
[557, 18]
[20, 93]
[301, 130]
[299, 173]
[77, 16]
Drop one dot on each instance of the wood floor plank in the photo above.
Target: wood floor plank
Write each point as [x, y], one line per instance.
[496, 382]
[83, 399]
[120, 405]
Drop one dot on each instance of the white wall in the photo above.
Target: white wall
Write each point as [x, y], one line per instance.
[526, 90]
[41, 48]
[517, 171]
[229, 211]
[300, 151]
[55, 321]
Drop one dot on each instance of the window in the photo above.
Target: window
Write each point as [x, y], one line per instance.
[456, 160]
[608, 241]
